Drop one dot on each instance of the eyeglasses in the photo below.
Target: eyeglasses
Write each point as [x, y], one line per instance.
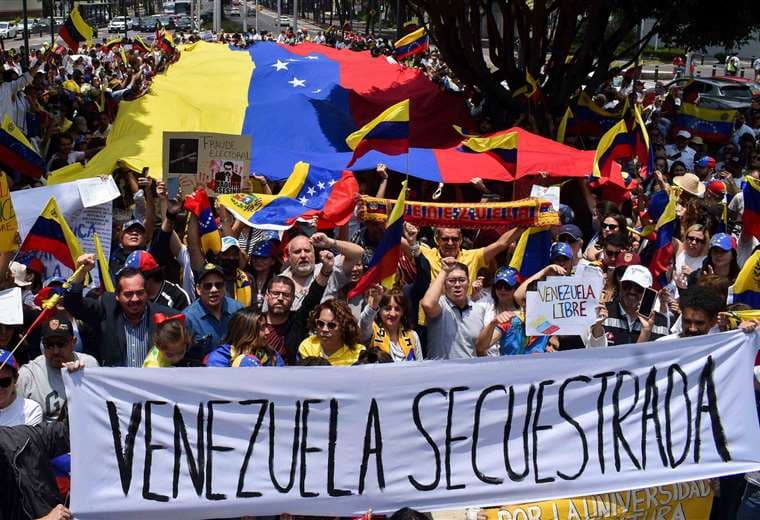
[695, 239]
[5, 382]
[452, 240]
[456, 281]
[280, 294]
[207, 286]
[332, 325]
[61, 343]
[609, 226]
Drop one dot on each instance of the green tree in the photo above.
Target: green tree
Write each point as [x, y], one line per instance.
[576, 43]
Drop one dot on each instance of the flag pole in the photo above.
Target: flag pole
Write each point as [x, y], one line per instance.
[48, 306]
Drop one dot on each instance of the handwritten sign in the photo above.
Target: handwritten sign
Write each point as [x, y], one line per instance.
[217, 442]
[563, 305]
[220, 162]
[8, 223]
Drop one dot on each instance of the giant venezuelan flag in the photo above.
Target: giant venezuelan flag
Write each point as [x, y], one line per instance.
[310, 191]
[297, 103]
[382, 267]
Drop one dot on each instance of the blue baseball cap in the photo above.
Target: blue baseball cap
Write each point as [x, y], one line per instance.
[134, 222]
[7, 358]
[723, 241]
[571, 230]
[560, 249]
[507, 275]
[566, 214]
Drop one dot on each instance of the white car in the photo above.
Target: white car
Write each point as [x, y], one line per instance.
[116, 25]
[7, 30]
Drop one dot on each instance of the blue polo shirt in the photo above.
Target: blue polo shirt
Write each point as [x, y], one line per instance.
[208, 332]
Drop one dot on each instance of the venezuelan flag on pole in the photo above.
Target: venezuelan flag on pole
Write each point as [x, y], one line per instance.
[415, 42]
[662, 209]
[616, 143]
[751, 215]
[17, 153]
[75, 30]
[532, 251]
[52, 234]
[198, 204]
[502, 147]
[746, 289]
[382, 267]
[562, 128]
[589, 119]
[309, 192]
[387, 133]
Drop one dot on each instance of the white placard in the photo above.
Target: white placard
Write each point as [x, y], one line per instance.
[11, 310]
[336, 441]
[97, 190]
[550, 193]
[563, 305]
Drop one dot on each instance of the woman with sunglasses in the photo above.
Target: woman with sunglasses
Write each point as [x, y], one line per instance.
[245, 337]
[610, 224]
[692, 251]
[15, 409]
[384, 324]
[334, 334]
[720, 260]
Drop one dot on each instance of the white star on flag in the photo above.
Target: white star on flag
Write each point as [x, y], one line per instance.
[321, 185]
[303, 201]
[332, 181]
[280, 65]
[297, 82]
[311, 191]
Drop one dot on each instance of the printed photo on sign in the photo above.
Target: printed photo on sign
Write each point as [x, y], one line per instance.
[227, 175]
[183, 156]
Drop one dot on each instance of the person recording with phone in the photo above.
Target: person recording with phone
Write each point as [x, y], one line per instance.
[630, 315]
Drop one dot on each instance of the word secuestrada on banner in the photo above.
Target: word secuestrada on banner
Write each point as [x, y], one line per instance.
[524, 212]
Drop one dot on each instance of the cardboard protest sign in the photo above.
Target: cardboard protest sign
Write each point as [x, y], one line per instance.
[220, 162]
[563, 305]
[681, 501]
[217, 442]
[8, 224]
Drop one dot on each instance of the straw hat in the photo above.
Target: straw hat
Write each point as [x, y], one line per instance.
[690, 183]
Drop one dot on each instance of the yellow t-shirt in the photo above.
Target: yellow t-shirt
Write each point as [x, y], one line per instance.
[344, 356]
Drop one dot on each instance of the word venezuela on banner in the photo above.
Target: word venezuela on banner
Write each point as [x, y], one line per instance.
[339, 441]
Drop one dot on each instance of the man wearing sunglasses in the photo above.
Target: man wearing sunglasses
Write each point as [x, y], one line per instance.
[209, 316]
[40, 380]
[124, 319]
[14, 409]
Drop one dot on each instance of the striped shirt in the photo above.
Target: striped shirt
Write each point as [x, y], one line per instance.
[137, 341]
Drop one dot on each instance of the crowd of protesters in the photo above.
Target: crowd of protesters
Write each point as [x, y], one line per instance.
[280, 299]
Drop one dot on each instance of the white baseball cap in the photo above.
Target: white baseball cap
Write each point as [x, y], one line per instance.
[683, 133]
[637, 274]
[228, 242]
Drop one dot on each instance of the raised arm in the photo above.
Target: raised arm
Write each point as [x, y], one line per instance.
[502, 243]
[520, 292]
[430, 304]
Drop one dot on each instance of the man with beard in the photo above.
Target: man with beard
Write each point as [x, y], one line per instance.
[124, 319]
[303, 269]
[285, 328]
[209, 316]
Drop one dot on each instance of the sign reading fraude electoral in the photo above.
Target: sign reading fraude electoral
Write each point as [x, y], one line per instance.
[681, 501]
[337, 441]
[563, 304]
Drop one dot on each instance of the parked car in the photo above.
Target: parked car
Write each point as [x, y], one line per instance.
[750, 82]
[713, 92]
[183, 23]
[167, 22]
[117, 24]
[8, 30]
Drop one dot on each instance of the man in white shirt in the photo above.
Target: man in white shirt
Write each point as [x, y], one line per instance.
[14, 409]
[680, 151]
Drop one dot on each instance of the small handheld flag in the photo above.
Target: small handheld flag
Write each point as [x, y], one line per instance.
[415, 42]
[746, 289]
[751, 215]
[52, 234]
[382, 266]
[387, 133]
[17, 153]
[75, 30]
[198, 204]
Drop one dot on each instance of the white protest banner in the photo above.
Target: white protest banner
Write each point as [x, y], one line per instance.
[221, 442]
[11, 310]
[84, 222]
[220, 162]
[563, 305]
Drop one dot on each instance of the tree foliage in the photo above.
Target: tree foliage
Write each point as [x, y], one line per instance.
[575, 43]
